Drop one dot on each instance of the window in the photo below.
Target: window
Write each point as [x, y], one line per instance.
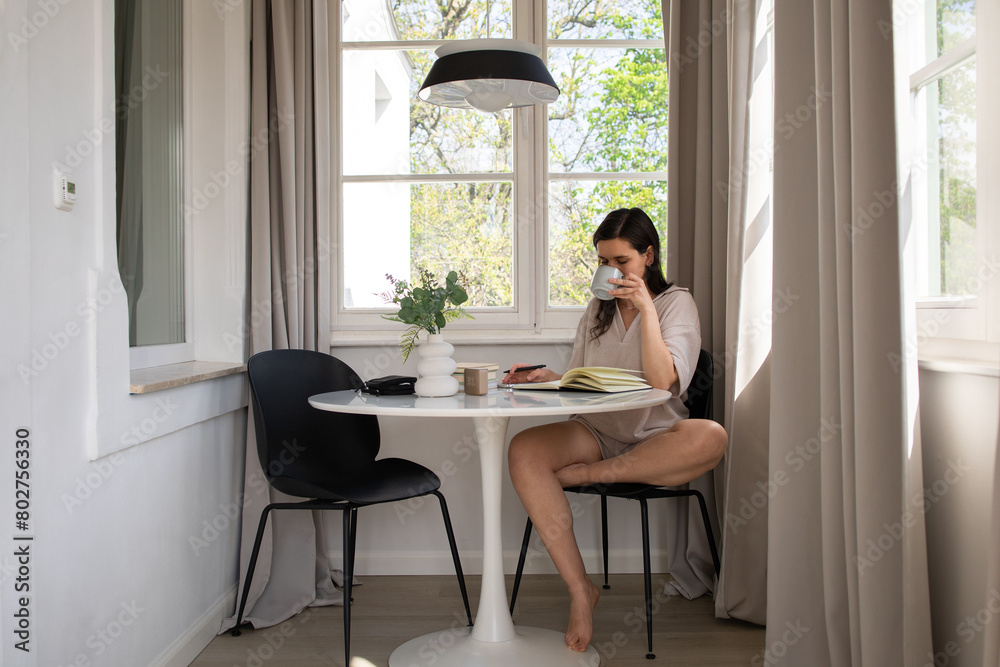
[943, 131]
[943, 89]
[149, 142]
[607, 132]
[508, 199]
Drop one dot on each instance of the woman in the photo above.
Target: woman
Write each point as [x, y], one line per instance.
[651, 326]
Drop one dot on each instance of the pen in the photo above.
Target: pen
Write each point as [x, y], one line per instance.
[526, 368]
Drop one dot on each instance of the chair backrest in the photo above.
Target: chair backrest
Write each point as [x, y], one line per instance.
[699, 392]
[294, 439]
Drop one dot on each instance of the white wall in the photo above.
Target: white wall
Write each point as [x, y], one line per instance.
[117, 576]
[958, 422]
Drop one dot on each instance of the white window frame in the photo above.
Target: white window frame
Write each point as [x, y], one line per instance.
[217, 75]
[530, 317]
[948, 326]
[149, 356]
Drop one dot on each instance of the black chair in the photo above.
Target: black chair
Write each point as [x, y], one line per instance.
[327, 458]
[699, 405]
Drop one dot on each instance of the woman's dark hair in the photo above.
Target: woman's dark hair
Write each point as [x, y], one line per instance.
[635, 227]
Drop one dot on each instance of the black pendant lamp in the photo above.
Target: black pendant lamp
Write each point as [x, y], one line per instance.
[488, 75]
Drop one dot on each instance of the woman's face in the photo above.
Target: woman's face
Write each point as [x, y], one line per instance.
[620, 254]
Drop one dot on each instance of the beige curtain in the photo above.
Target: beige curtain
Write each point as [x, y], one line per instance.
[842, 533]
[289, 277]
[991, 647]
[765, 191]
[709, 60]
[743, 475]
[821, 419]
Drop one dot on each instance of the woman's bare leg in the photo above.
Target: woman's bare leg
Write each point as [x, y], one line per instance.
[545, 459]
[534, 456]
[677, 456]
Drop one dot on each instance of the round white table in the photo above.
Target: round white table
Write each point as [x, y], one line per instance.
[494, 639]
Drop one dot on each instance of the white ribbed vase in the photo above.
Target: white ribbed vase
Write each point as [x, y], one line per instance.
[435, 368]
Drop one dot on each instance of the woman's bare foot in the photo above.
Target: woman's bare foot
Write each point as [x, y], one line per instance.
[572, 475]
[581, 617]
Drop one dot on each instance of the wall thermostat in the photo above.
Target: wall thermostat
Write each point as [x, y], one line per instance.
[65, 191]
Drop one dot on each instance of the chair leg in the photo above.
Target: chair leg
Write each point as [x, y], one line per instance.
[647, 577]
[454, 554]
[348, 579]
[250, 569]
[604, 536]
[520, 564]
[354, 538]
[708, 531]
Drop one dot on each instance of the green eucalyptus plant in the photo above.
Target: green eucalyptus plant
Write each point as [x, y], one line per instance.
[424, 305]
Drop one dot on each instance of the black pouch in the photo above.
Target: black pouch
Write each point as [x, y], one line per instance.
[390, 385]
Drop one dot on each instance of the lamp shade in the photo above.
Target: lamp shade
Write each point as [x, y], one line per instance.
[488, 75]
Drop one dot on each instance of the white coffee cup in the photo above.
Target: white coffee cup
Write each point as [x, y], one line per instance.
[600, 285]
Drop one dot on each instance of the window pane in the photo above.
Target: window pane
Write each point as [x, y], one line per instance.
[951, 195]
[387, 130]
[612, 113]
[149, 164]
[594, 19]
[366, 20]
[956, 22]
[576, 208]
[466, 227]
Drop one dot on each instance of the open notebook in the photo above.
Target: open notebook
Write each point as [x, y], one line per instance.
[591, 378]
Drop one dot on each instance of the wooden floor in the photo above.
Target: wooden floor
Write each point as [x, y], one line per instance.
[388, 611]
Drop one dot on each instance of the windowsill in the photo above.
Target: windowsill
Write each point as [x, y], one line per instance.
[945, 355]
[455, 336]
[989, 369]
[157, 378]
[948, 302]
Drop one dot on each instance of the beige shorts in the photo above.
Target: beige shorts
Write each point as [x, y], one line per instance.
[610, 447]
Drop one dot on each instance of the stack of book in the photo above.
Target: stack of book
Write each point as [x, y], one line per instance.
[491, 373]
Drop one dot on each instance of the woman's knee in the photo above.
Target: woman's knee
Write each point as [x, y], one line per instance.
[714, 440]
[524, 453]
[551, 447]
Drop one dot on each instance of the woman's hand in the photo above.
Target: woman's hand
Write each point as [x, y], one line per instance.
[633, 288]
[522, 377]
